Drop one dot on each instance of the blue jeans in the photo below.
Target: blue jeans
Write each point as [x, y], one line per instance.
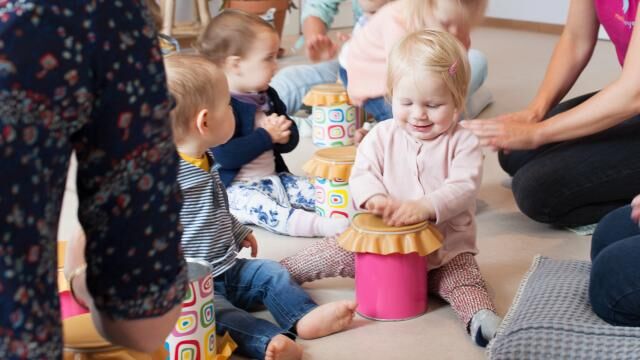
[614, 288]
[248, 284]
[380, 109]
[577, 182]
[292, 83]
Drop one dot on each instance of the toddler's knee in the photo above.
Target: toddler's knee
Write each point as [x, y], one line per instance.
[276, 271]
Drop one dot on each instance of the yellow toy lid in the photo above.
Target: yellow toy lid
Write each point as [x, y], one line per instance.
[331, 163]
[369, 234]
[326, 95]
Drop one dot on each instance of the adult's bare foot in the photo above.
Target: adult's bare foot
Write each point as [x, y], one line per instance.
[283, 348]
[326, 319]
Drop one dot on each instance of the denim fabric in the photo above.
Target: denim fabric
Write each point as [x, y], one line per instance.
[577, 182]
[292, 83]
[269, 201]
[614, 288]
[249, 284]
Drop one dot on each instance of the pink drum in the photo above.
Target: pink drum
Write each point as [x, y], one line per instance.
[391, 266]
[391, 287]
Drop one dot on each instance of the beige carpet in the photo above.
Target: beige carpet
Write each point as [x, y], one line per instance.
[507, 239]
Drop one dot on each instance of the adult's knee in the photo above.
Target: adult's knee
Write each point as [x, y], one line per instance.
[607, 231]
[534, 199]
[614, 288]
[509, 163]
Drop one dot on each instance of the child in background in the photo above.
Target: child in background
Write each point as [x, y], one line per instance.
[203, 119]
[293, 82]
[261, 190]
[366, 58]
[421, 165]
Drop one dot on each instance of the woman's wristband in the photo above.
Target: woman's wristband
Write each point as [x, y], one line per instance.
[77, 271]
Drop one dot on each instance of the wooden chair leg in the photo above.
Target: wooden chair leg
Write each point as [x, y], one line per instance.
[203, 12]
[168, 16]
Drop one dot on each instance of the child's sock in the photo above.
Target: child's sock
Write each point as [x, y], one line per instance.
[330, 226]
[483, 326]
[324, 259]
[309, 224]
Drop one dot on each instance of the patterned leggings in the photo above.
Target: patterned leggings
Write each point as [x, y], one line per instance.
[459, 282]
[269, 201]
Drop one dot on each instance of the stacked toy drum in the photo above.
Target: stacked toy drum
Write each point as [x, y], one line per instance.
[330, 169]
[194, 336]
[334, 119]
[391, 266]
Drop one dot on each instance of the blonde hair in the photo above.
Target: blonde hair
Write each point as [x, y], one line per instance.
[231, 33]
[435, 52]
[418, 12]
[194, 81]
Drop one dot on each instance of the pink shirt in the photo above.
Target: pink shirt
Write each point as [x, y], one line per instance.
[446, 170]
[366, 58]
[262, 166]
[618, 19]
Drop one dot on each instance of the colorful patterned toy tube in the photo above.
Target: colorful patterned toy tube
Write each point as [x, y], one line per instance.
[194, 336]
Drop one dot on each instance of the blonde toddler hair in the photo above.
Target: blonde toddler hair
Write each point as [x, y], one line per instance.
[435, 52]
[231, 33]
[194, 82]
[417, 12]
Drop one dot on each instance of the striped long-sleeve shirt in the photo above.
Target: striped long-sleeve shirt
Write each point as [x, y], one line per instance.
[210, 231]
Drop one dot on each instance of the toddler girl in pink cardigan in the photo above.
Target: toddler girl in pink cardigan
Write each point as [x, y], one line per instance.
[421, 165]
[363, 70]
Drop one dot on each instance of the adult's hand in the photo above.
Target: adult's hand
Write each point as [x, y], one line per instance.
[513, 131]
[320, 48]
[317, 45]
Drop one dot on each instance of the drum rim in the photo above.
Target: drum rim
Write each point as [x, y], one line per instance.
[418, 227]
[322, 156]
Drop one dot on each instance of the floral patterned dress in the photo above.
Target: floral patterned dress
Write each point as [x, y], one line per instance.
[84, 75]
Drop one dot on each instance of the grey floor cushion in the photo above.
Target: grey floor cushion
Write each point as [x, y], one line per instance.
[551, 318]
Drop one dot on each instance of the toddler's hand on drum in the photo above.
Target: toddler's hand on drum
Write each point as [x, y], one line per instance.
[377, 204]
[250, 242]
[400, 213]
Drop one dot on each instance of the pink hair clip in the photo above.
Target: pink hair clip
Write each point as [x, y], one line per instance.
[453, 68]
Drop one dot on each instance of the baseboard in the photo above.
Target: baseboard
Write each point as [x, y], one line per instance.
[523, 25]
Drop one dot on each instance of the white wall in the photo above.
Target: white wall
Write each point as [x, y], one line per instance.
[543, 11]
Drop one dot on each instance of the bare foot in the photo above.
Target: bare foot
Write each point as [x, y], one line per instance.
[282, 348]
[326, 319]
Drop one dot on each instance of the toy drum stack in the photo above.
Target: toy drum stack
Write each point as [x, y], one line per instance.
[391, 266]
[330, 169]
[334, 119]
[194, 336]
